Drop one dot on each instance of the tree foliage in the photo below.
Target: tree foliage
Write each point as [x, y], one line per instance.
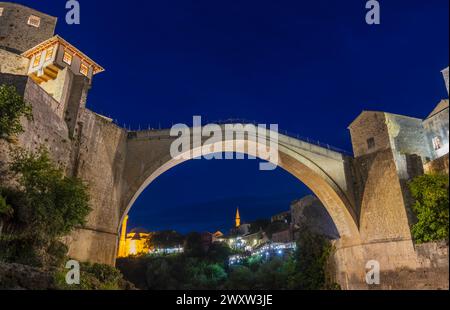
[45, 206]
[165, 239]
[310, 269]
[193, 245]
[52, 204]
[306, 269]
[431, 207]
[12, 108]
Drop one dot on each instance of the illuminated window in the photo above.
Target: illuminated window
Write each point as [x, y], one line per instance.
[67, 58]
[437, 144]
[84, 69]
[34, 21]
[1, 11]
[49, 54]
[370, 143]
[37, 60]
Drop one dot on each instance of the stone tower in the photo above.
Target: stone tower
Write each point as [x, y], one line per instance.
[238, 219]
[22, 28]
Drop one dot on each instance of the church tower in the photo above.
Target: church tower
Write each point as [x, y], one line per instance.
[238, 219]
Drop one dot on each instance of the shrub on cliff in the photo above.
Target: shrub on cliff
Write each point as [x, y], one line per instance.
[12, 108]
[6, 212]
[47, 205]
[53, 204]
[310, 267]
[431, 207]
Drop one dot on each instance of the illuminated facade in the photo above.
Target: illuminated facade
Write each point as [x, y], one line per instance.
[136, 242]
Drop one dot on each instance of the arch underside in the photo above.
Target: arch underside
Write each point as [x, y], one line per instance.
[316, 179]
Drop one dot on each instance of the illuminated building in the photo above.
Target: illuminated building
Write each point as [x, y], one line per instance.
[136, 242]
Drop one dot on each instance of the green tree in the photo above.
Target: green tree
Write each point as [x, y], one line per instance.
[219, 252]
[311, 261]
[53, 204]
[6, 212]
[166, 273]
[12, 108]
[240, 278]
[431, 207]
[258, 225]
[203, 275]
[272, 275]
[275, 227]
[165, 239]
[193, 245]
[46, 206]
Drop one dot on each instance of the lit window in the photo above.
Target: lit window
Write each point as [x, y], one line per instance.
[84, 69]
[437, 143]
[371, 143]
[34, 21]
[67, 58]
[49, 54]
[1, 11]
[37, 60]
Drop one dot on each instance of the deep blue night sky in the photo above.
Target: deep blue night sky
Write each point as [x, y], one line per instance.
[310, 66]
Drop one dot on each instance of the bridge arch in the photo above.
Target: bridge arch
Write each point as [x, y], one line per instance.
[323, 171]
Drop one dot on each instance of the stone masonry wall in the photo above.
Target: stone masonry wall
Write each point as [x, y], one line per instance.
[369, 125]
[96, 155]
[47, 127]
[439, 165]
[99, 159]
[12, 63]
[15, 33]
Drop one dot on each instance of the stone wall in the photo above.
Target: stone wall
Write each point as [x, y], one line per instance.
[15, 33]
[439, 165]
[369, 125]
[436, 127]
[95, 154]
[99, 159]
[12, 63]
[431, 272]
[310, 212]
[47, 127]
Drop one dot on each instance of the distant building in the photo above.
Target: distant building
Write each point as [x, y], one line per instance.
[283, 236]
[133, 243]
[417, 145]
[436, 130]
[22, 27]
[218, 236]
[284, 217]
[239, 227]
[207, 240]
[256, 239]
[310, 213]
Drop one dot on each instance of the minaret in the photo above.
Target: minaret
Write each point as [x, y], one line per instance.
[238, 218]
[123, 236]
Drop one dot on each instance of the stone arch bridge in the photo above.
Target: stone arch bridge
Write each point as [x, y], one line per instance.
[364, 195]
[120, 164]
